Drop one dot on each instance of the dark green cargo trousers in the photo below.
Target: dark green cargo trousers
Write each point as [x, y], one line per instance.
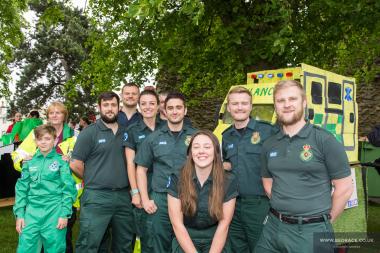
[247, 222]
[161, 228]
[280, 237]
[99, 208]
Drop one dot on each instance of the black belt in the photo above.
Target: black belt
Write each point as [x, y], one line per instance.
[294, 220]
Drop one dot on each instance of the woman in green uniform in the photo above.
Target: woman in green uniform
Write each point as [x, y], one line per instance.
[201, 202]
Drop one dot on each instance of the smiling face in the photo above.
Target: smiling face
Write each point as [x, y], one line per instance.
[175, 110]
[240, 106]
[148, 106]
[45, 143]
[202, 152]
[130, 96]
[56, 116]
[289, 105]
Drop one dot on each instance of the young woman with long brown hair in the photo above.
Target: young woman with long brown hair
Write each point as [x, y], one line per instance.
[201, 201]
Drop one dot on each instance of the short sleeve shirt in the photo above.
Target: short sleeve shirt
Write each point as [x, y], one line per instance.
[103, 155]
[165, 153]
[202, 218]
[302, 167]
[243, 152]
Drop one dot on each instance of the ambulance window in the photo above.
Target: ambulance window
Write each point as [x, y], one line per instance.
[316, 93]
[262, 112]
[335, 93]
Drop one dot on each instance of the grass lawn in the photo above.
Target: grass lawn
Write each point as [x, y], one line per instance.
[9, 236]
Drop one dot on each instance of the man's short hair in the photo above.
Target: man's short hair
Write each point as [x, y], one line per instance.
[131, 84]
[238, 90]
[34, 114]
[44, 129]
[60, 106]
[175, 95]
[149, 92]
[288, 83]
[108, 95]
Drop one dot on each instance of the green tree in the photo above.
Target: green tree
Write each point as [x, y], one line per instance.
[50, 59]
[202, 47]
[10, 37]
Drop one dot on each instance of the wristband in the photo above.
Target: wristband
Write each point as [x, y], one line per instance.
[134, 192]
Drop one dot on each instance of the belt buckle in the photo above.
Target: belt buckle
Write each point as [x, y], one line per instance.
[280, 217]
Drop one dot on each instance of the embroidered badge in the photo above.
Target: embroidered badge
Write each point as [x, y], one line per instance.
[306, 154]
[125, 136]
[102, 141]
[273, 154]
[230, 146]
[255, 138]
[142, 136]
[162, 143]
[187, 140]
[54, 166]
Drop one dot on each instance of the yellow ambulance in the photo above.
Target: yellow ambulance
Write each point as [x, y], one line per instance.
[331, 104]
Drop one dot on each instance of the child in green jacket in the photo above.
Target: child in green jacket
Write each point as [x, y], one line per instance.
[44, 197]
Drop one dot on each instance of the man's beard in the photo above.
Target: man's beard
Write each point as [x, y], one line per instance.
[297, 116]
[108, 120]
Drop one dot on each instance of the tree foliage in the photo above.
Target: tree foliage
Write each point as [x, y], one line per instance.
[50, 59]
[202, 47]
[10, 36]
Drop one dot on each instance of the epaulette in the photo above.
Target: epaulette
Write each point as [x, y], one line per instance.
[227, 129]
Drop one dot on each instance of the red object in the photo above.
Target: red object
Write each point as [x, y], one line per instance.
[10, 127]
[289, 74]
[253, 76]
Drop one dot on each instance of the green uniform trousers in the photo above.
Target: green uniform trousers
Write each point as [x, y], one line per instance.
[281, 237]
[247, 223]
[99, 208]
[202, 240]
[161, 229]
[41, 220]
[143, 229]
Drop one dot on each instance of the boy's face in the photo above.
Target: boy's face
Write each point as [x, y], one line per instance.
[45, 143]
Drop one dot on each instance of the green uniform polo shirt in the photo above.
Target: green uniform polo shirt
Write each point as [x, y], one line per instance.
[165, 153]
[103, 155]
[302, 168]
[243, 152]
[202, 218]
[138, 132]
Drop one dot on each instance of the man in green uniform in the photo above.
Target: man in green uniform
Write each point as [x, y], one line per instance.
[165, 152]
[299, 165]
[99, 158]
[44, 196]
[241, 147]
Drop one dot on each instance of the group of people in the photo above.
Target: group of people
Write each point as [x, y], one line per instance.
[150, 173]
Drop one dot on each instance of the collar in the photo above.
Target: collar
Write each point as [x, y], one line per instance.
[165, 128]
[103, 127]
[50, 154]
[251, 125]
[208, 180]
[67, 132]
[303, 133]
